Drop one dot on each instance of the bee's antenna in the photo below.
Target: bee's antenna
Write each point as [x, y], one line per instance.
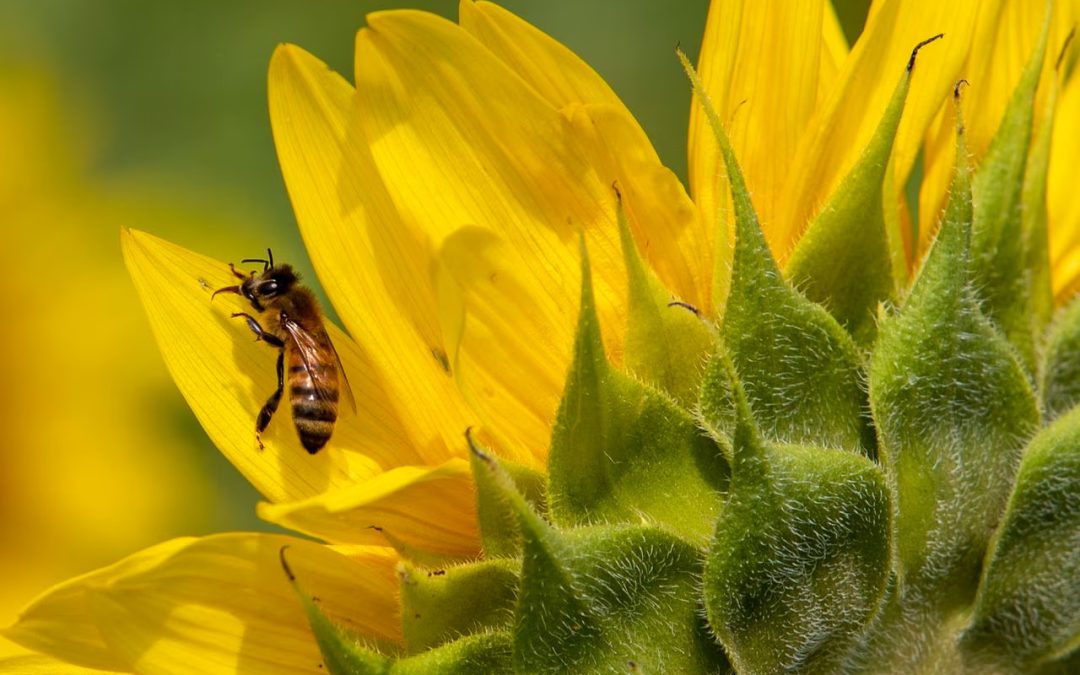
[267, 261]
[269, 257]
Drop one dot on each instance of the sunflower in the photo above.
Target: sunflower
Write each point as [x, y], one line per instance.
[816, 413]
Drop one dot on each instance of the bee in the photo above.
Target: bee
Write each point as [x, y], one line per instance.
[292, 323]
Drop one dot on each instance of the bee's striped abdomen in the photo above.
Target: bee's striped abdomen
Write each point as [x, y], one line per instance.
[313, 398]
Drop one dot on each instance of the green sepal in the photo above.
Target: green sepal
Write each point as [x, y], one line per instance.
[624, 452]
[800, 559]
[606, 599]
[999, 243]
[441, 605]
[716, 406]
[1028, 607]
[666, 346]
[1034, 213]
[797, 362]
[489, 653]
[953, 408]
[500, 535]
[1061, 365]
[1067, 665]
[631, 585]
[344, 654]
[845, 259]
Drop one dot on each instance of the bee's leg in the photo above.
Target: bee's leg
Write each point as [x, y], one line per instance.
[237, 274]
[260, 334]
[271, 406]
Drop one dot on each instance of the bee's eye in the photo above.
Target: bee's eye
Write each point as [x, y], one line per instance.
[269, 288]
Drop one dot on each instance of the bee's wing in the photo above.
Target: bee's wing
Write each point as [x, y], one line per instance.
[308, 347]
[346, 390]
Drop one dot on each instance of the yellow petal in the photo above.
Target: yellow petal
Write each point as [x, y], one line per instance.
[760, 63]
[555, 72]
[843, 124]
[1004, 39]
[219, 604]
[431, 510]
[667, 227]
[466, 142]
[834, 51]
[37, 664]
[997, 59]
[226, 376]
[460, 140]
[374, 264]
[1062, 203]
[66, 630]
[496, 316]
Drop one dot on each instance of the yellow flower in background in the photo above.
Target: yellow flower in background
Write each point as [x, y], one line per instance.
[86, 473]
[442, 199]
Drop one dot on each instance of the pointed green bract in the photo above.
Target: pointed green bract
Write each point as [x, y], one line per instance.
[999, 243]
[716, 408]
[488, 653]
[953, 408]
[1028, 607]
[799, 561]
[801, 370]
[845, 258]
[1035, 235]
[721, 272]
[1061, 366]
[499, 532]
[596, 600]
[343, 654]
[623, 452]
[636, 603]
[666, 346]
[440, 605]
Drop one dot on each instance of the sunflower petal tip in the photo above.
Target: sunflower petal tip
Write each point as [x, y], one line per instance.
[132, 240]
[288, 56]
[266, 511]
[282, 51]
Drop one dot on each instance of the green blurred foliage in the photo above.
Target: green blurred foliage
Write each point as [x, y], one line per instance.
[171, 98]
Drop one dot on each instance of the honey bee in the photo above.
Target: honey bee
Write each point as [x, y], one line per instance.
[292, 323]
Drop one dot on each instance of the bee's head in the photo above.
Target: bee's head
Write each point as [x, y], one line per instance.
[262, 289]
[272, 283]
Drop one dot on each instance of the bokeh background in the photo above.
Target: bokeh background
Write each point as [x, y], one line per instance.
[152, 115]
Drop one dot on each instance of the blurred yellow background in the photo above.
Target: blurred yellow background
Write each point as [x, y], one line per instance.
[123, 113]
